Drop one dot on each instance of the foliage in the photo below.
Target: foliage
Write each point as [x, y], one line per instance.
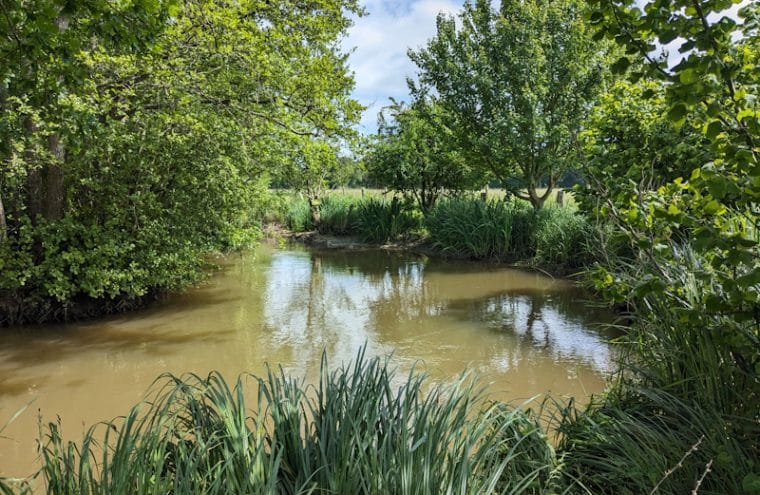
[414, 153]
[631, 145]
[516, 84]
[312, 163]
[646, 440]
[135, 137]
[563, 238]
[685, 415]
[714, 88]
[298, 217]
[355, 432]
[338, 215]
[679, 410]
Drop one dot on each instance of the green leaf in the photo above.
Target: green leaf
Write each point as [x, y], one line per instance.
[749, 279]
[677, 112]
[747, 112]
[621, 65]
[713, 129]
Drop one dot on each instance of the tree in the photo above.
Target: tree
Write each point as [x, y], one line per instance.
[631, 146]
[414, 153]
[309, 166]
[712, 86]
[154, 122]
[517, 83]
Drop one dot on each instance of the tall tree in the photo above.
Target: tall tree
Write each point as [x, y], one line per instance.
[414, 153]
[517, 82]
[160, 116]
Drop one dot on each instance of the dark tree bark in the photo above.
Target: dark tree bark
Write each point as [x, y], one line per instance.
[54, 184]
[34, 189]
[3, 223]
[45, 182]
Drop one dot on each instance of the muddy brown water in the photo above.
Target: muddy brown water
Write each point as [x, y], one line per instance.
[525, 334]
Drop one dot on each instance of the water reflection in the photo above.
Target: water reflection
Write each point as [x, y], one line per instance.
[524, 333]
[428, 310]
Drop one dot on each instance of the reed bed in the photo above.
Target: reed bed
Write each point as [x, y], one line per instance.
[554, 237]
[380, 220]
[353, 433]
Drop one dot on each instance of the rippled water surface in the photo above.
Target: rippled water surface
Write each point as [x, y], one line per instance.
[524, 333]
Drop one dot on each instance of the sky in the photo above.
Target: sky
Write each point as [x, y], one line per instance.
[380, 41]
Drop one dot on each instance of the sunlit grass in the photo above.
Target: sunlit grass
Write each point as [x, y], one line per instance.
[356, 432]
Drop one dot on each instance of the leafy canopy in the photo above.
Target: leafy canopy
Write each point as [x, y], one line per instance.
[415, 153]
[517, 82]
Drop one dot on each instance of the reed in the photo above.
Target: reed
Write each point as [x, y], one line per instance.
[338, 215]
[553, 237]
[684, 414]
[380, 220]
[297, 216]
[358, 431]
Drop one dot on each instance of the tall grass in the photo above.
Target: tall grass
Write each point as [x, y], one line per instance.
[354, 432]
[474, 228]
[644, 439]
[297, 215]
[685, 414]
[510, 230]
[380, 220]
[338, 215]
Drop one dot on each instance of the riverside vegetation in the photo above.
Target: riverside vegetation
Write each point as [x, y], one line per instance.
[666, 227]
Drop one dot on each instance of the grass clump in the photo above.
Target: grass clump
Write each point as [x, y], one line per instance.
[338, 215]
[355, 432]
[297, 215]
[644, 440]
[379, 220]
[684, 416]
[473, 228]
[553, 237]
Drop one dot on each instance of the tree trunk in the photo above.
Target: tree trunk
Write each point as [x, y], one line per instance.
[34, 189]
[536, 200]
[45, 183]
[3, 223]
[54, 186]
[314, 205]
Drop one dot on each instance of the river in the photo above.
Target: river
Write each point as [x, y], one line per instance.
[525, 334]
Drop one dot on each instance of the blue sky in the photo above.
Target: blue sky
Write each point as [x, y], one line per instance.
[380, 41]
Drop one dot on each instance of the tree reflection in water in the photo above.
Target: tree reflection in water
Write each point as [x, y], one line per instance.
[428, 310]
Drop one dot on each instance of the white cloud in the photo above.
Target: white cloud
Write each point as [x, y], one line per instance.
[380, 41]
